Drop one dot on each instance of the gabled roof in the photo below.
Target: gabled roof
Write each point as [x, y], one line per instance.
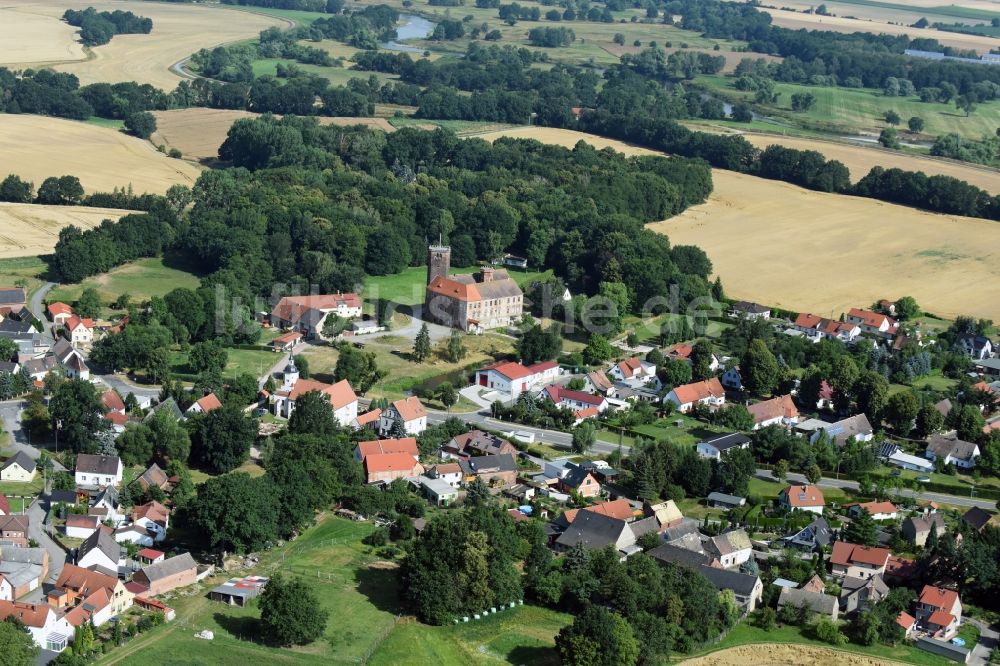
[451, 288]
[877, 589]
[629, 367]
[84, 581]
[697, 391]
[406, 445]
[14, 523]
[941, 618]
[341, 394]
[31, 615]
[844, 429]
[576, 476]
[97, 464]
[169, 567]
[295, 308]
[113, 401]
[558, 394]
[153, 511]
[410, 408]
[977, 518]
[389, 462]
[803, 496]
[750, 308]
[676, 555]
[938, 597]
[921, 524]
[727, 441]
[731, 542]
[508, 369]
[779, 407]
[846, 553]
[153, 476]
[876, 507]
[943, 446]
[869, 318]
[488, 464]
[666, 513]
[814, 601]
[723, 579]
[619, 508]
[75, 322]
[209, 402]
[102, 541]
[22, 460]
[600, 381]
[593, 530]
[85, 522]
[483, 442]
[368, 417]
[680, 351]
[59, 308]
[905, 620]
[12, 295]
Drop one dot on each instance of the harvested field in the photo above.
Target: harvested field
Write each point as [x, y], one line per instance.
[28, 230]
[178, 31]
[198, 133]
[798, 21]
[36, 147]
[860, 159]
[780, 654]
[29, 38]
[802, 250]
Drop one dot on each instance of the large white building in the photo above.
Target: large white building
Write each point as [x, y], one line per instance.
[514, 379]
[342, 398]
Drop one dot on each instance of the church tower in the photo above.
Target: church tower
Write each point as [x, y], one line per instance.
[438, 261]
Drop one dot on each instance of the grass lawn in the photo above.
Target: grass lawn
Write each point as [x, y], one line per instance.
[251, 468]
[29, 269]
[970, 633]
[110, 123]
[648, 330]
[238, 361]
[689, 432]
[360, 592]
[141, 279]
[933, 382]
[301, 18]
[462, 127]
[744, 634]
[337, 76]
[408, 287]
[851, 109]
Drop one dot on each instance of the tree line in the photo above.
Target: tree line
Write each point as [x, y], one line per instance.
[67, 191]
[98, 28]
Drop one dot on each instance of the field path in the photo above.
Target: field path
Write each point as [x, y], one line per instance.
[801, 250]
[179, 29]
[774, 654]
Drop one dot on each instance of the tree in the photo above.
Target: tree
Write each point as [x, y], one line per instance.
[584, 436]
[598, 350]
[302, 365]
[862, 530]
[456, 347]
[357, 367]
[313, 415]
[803, 101]
[916, 124]
[742, 113]
[619, 39]
[701, 359]
[208, 356]
[16, 645]
[538, 344]
[889, 138]
[597, 637]
[813, 473]
[333, 326]
[222, 438]
[780, 470]
[61, 191]
[929, 421]
[235, 512]
[966, 103]
[907, 308]
[760, 369]
[422, 344]
[89, 303]
[968, 421]
[872, 392]
[78, 413]
[290, 612]
[447, 394]
[142, 124]
[892, 118]
[828, 631]
[15, 190]
[901, 410]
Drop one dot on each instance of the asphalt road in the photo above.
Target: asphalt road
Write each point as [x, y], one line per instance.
[57, 556]
[36, 308]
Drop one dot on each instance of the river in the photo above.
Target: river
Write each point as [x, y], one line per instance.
[410, 27]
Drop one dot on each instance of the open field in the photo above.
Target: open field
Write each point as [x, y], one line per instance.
[36, 147]
[141, 279]
[30, 38]
[799, 21]
[826, 253]
[733, 58]
[29, 230]
[360, 591]
[198, 133]
[860, 159]
[178, 31]
[897, 12]
[851, 110]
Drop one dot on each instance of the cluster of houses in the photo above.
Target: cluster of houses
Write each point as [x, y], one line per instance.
[304, 318]
[103, 580]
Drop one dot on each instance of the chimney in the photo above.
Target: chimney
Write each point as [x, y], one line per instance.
[486, 274]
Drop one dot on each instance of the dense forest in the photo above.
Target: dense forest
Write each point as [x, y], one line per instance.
[98, 28]
[307, 204]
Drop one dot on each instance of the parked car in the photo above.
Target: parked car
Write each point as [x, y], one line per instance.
[924, 479]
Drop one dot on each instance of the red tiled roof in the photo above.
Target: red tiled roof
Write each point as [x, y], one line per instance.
[941, 618]
[806, 320]
[508, 369]
[453, 289]
[938, 597]
[117, 418]
[410, 408]
[619, 508]
[82, 521]
[4, 504]
[680, 351]
[149, 553]
[587, 413]
[369, 417]
[873, 319]
[75, 322]
[905, 620]
[154, 511]
[59, 308]
[878, 507]
[629, 367]
[91, 604]
[699, 391]
[558, 393]
[341, 394]
[517, 515]
[209, 402]
[782, 407]
[406, 445]
[113, 401]
[542, 367]
[291, 336]
[845, 554]
[32, 615]
[389, 462]
[804, 495]
[293, 308]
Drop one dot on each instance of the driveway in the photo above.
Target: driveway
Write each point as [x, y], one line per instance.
[10, 414]
[57, 556]
[989, 640]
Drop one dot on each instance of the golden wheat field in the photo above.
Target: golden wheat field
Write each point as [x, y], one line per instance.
[36, 147]
[28, 230]
[34, 39]
[860, 159]
[178, 31]
[198, 133]
[809, 251]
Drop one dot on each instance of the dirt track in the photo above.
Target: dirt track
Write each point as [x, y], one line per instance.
[783, 654]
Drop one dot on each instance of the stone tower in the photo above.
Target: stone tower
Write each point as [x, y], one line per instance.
[438, 261]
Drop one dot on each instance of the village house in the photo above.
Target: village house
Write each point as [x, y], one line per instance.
[597, 382]
[205, 404]
[166, 575]
[48, 631]
[367, 421]
[450, 473]
[580, 480]
[19, 468]
[489, 299]
[939, 611]
[577, 401]
[97, 471]
[979, 347]
[70, 360]
[776, 411]
[406, 445]
[387, 467]
[476, 443]
[438, 491]
[80, 527]
[732, 379]
[342, 398]
[708, 392]
[79, 332]
[718, 500]
[748, 589]
[816, 603]
[134, 534]
[916, 529]
[839, 432]
[13, 529]
[667, 514]
[22, 570]
[817, 328]
[682, 351]
[285, 342]
[812, 538]
[732, 548]
[100, 552]
[714, 448]
[896, 456]
[595, 531]
[409, 412]
[153, 476]
[805, 497]
[951, 450]
[38, 368]
[873, 323]
[498, 471]
[978, 519]
[153, 517]
[749, 310]
[308, 314]
[858, 593]
[878, 510]
[634, 370]
[89, 596]
[620, 509]
[106, 505]
[59, 313]
[850, 559]
[513, 379]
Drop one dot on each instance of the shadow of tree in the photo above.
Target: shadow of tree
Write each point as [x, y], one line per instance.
[242, 628]
[533, 656]
[381, 586]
